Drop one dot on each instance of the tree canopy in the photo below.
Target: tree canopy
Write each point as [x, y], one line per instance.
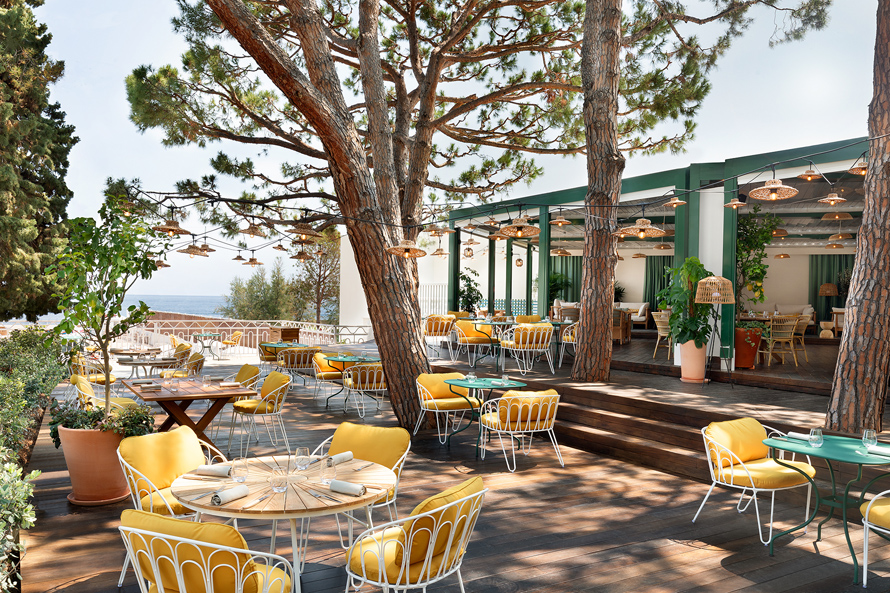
[34, 147]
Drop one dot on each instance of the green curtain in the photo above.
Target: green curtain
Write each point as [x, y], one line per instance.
[655, 280]
[571, 267]
[825, 268]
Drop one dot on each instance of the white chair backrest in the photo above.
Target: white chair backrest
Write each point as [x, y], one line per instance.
[438, 325]
[367, 377]
[525, 413]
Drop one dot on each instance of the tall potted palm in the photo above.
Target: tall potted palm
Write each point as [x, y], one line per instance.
[690, 322]
[100, 263]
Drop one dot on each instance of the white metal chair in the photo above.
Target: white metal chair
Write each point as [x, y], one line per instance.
[297, 362]
[228, 345]
[421, 549]
[527, 343]
[388, 446]
[737, 458]
[249, 376]
[875, 517]
[268, 405]
[437, 328]
[173, 555]
[326, 373]
[268, 359]
[364, 380]
[472, 340]
[518, 415]
[569, 339]
[437, 398]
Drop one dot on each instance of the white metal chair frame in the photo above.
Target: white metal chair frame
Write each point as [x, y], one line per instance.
[364, 380]
[717, 454]
[191, 368]
[140, 487]
[86, 367]
[388, 503]
[166, 551]
[456, 534]
[267, 359]
[533, 341]
[180, 363]
[278, 395]
[435, 329]
[524, 428]
[472, 349]
[233, 342]
[428, 404]
[250, 383]
[296, 361]
[569, 338]
[868, 526]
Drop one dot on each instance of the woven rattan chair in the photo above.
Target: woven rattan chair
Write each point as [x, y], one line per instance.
[781, 338]
[663, 326]
[800, 330]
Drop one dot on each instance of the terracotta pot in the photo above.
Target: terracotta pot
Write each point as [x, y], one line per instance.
[96, 474]
[692, 362]
[747, 341]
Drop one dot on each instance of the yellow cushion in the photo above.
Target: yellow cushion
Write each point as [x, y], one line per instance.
[438, 389]
[164, 456]
[246, 374]
[766, 473]
[211, 533]
[438, 325]
[182, 348]
[371, 443]
[254, 406]
[153, 503]
[528, 318]
[330, 376]
[323, 365]
[744, 437]
[273, 381]
[122, 401]
[365, 559]
[495, 422]
[522, 405]
[419, 531]
[472, 334]
[474, 340]
[880, 512]
[459, 314]
[174, 374]
[452, 403]
[532, 336]
[297, 358]
[99, 378]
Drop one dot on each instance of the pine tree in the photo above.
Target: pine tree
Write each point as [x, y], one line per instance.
[34, 147]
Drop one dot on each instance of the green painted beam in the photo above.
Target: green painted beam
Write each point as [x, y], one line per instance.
[508, 287]
[544, 261]
[529, 278]
[492, 266]
[730, 228]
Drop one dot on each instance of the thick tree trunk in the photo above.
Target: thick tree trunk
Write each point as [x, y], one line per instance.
[600, 74]
[860, 380]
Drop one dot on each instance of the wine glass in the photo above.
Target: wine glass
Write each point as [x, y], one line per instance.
[869, 438]
[301, 458]
[471, 377]
[239, 470]
[816, 437]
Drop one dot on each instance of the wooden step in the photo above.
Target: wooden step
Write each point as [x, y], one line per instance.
[661, 431]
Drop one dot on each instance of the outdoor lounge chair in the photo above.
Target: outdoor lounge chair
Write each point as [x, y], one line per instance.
[737, 458]
[518, 415]
[437, 328]
[569, 340]
[436, 397]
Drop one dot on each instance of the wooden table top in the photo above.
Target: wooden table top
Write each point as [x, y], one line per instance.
[188, 389]
[296, 501]
[134, 351]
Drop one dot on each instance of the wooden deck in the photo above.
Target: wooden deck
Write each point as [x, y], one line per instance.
[599, 524]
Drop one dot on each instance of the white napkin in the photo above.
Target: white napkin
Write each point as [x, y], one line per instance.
[879, 450]
[128, 359]
[229, 494]
[347, 488]
[221, 471]
[142, 382]
[342, 457]
[230, 384]
[798, 435]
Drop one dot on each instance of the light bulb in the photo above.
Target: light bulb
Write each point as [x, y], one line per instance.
[127, 213]
[191, 256]
[406, 254]
[773, 195]
[715, 295]
[641, 234]
[170, 233]
[519, 263]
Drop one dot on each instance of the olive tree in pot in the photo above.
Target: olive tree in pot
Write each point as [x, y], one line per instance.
[690, 321]
[102, 261]
[755, 232]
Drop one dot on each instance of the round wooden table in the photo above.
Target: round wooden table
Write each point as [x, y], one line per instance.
[304, 498]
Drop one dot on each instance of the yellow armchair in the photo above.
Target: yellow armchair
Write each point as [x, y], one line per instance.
[439, 398]
[518, 415]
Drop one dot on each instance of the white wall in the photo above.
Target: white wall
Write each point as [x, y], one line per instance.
[631, 274]
[353, 306]
[787, 280]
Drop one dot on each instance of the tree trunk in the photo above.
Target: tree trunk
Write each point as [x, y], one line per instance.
[860, 379]
[600, 74]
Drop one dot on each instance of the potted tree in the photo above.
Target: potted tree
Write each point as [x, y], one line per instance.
[754, 234]
[99, 265]
[689, 321]
[468, 294]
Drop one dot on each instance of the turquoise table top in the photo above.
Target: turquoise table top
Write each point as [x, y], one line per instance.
[835, 448]
[342, 358]
[484, 383]
[282, 345]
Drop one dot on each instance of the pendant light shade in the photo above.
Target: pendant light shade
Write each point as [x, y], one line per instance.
[808, 175]
[782, 256]
[772, 190]
[440, 253]
[160, 264]
[560, 252]
[734, 203]
[301, 256]
[192, 250]
[519, 262]
[206, 248]
[252, 262]
[560, 221]
[279, 247]
[834, 246]
[407, 249]
[171, 228]
[663, 246]
[520, 228]
[780, 233]
[253, 230]
[832, 199]
[860, 167]
[840, 237]
[639, 256]
[837, 216]
[714, 290]
[828, 289]
[304, 232]
[238, 257]
[468, 252]
[642, 229]
[496, 237]
[674, 202]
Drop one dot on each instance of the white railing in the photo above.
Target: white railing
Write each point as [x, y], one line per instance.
[433, 299]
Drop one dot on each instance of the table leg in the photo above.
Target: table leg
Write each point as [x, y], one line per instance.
[809, 520]
[299, 539]
[339, 391]
[176, 415]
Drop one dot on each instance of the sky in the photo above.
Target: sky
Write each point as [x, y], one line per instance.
[762, 99]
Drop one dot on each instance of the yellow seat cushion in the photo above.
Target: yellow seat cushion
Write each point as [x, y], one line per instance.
[880, 512]
[122, 401]
[365, 559]
[162, 457]
[459, 314]
[420, 531]
[744, 437]
[473, 334]
[174, 374]
[493, 421]
[252, 575]
[246, 374]
[528, 318]
[474, 340]
[153, 503]
[767, 474]
[323, 365]
[272, 386]
[329, 376]
[379, 444]
[99, 378]
[435, 385]
[451, 404]
[521, 405]
[254, 406]
[438, 325]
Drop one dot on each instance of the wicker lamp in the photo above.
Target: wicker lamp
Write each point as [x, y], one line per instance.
[714, 290]
[520, 228]
[828, 289]
[773, 190]
[407, 249]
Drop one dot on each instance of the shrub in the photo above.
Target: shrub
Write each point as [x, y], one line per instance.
[16, 513]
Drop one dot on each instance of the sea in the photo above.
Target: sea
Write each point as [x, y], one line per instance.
[191, 305]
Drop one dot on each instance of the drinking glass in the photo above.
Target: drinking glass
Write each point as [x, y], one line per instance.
[816, 437]
[168, 384]
[205, 381]
[301, 458]
[505, 379]
[174, 385]
[328, 470]
[869, 437]
[471, 377]
[278, 480]
[239, 470]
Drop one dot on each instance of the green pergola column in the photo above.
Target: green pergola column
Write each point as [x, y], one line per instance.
[453, 268]
[508, 289]
[730, 237]
[492, 266]
[544, 263]
[529, 253]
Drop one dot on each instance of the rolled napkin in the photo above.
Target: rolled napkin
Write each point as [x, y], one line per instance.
[217, 378]
[879, 450]
[143, 382]
[798, 435]
[347, 488]
[342, 457]
[127, 359]
[229, 494]
[230, 384]
[221, 471]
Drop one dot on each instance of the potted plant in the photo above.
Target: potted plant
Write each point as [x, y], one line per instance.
[690, 323]
[468, 294]
[102, 261]
[91, 439]
[754, 234]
